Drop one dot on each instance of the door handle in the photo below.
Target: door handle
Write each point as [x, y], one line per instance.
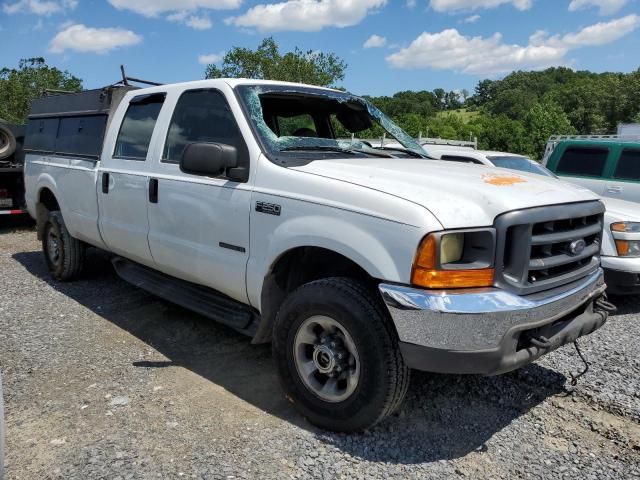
[153, 190]
[614, 189]
[105, 182]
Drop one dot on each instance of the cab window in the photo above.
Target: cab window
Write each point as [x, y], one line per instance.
[628, 167]
[203, 116]
[582, 161]
[137, 127]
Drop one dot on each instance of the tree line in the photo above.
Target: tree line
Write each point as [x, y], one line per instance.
[515, 114]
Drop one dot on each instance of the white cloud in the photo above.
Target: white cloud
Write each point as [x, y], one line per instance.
[449, 50]
[208, 58]
[153, 8]
[197, 22]
[306, 15]
[471, 19]
[375, 41]
[81, 38]
[607, 7]
[39, 7]
[411, 3]
[600, 33]
[467, 5]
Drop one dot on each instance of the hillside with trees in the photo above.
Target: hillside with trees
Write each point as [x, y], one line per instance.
[521, 111]
[516, 114]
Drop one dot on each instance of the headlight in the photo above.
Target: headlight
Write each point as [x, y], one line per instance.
[627, 247]
[455, 260]
[626, 227]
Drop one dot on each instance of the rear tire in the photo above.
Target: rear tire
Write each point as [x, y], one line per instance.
[337, 355]
[8, 142]
[63, 253]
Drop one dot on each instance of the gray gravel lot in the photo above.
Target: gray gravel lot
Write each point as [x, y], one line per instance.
[105, 381]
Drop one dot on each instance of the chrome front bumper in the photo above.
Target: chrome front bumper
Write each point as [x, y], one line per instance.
[488, 331]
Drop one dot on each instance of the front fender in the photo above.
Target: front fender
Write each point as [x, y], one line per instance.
[383, 248]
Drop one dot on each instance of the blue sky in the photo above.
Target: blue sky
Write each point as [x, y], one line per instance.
[418, 44]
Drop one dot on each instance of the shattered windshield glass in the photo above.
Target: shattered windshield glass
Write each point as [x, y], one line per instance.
[321, 123]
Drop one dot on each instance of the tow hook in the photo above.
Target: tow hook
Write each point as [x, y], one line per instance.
[603, 304]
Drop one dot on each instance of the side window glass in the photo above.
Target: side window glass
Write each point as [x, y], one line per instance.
[628, 167]
[297, 126]
[137, 127]
[588, 162]
[202, 116]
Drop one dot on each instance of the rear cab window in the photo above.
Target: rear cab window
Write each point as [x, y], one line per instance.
[583, 161]
[628, 166]
[137, 127]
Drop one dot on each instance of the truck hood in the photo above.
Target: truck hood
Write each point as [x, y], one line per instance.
[459, 195]
[620, 210]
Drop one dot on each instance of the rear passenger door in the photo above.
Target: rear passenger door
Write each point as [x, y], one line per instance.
[584, 166]
[625, 181]
[199, 225]
[123, 181]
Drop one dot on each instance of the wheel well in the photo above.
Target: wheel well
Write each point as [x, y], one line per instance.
[47, 202]
[295, 268]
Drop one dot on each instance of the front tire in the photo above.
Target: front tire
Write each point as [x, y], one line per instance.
[337, 355]
[63, 253]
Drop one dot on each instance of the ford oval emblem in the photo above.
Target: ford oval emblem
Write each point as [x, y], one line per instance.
[577, 247]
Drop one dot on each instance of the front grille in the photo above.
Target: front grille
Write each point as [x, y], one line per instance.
[543, 248]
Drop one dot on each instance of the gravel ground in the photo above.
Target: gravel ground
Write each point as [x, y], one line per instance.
[105, 381]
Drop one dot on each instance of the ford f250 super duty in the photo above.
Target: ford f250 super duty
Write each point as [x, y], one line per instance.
[237, 199]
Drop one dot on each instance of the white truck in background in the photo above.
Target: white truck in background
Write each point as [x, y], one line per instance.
[629, 129]
[235, 199]
[620, 250]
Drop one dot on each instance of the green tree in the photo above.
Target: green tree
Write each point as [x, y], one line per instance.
[543, 120]
[500, 133]
[19, 86]
[266, 62]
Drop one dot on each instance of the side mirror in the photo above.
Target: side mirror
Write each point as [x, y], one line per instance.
[208, 159]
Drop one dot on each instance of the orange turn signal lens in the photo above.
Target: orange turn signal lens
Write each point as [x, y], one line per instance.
[623, 247]
[619, 227]
[426, 274]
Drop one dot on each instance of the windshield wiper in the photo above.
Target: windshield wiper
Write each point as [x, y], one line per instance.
[404, 150]
[327, 148]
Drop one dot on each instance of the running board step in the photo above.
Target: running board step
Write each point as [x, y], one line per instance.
[202, 300]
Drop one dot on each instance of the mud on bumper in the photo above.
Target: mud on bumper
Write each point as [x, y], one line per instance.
[490, 331]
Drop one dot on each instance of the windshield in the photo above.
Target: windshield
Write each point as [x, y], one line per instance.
[303, 121]
[522, 164]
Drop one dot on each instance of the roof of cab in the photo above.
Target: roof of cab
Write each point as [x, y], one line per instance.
[600, 142]
[232, 82]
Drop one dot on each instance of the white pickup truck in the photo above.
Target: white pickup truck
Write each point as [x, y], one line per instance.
[620, 252]
[235, 199]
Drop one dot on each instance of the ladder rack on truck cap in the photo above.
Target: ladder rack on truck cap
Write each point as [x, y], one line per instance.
[553, 141]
